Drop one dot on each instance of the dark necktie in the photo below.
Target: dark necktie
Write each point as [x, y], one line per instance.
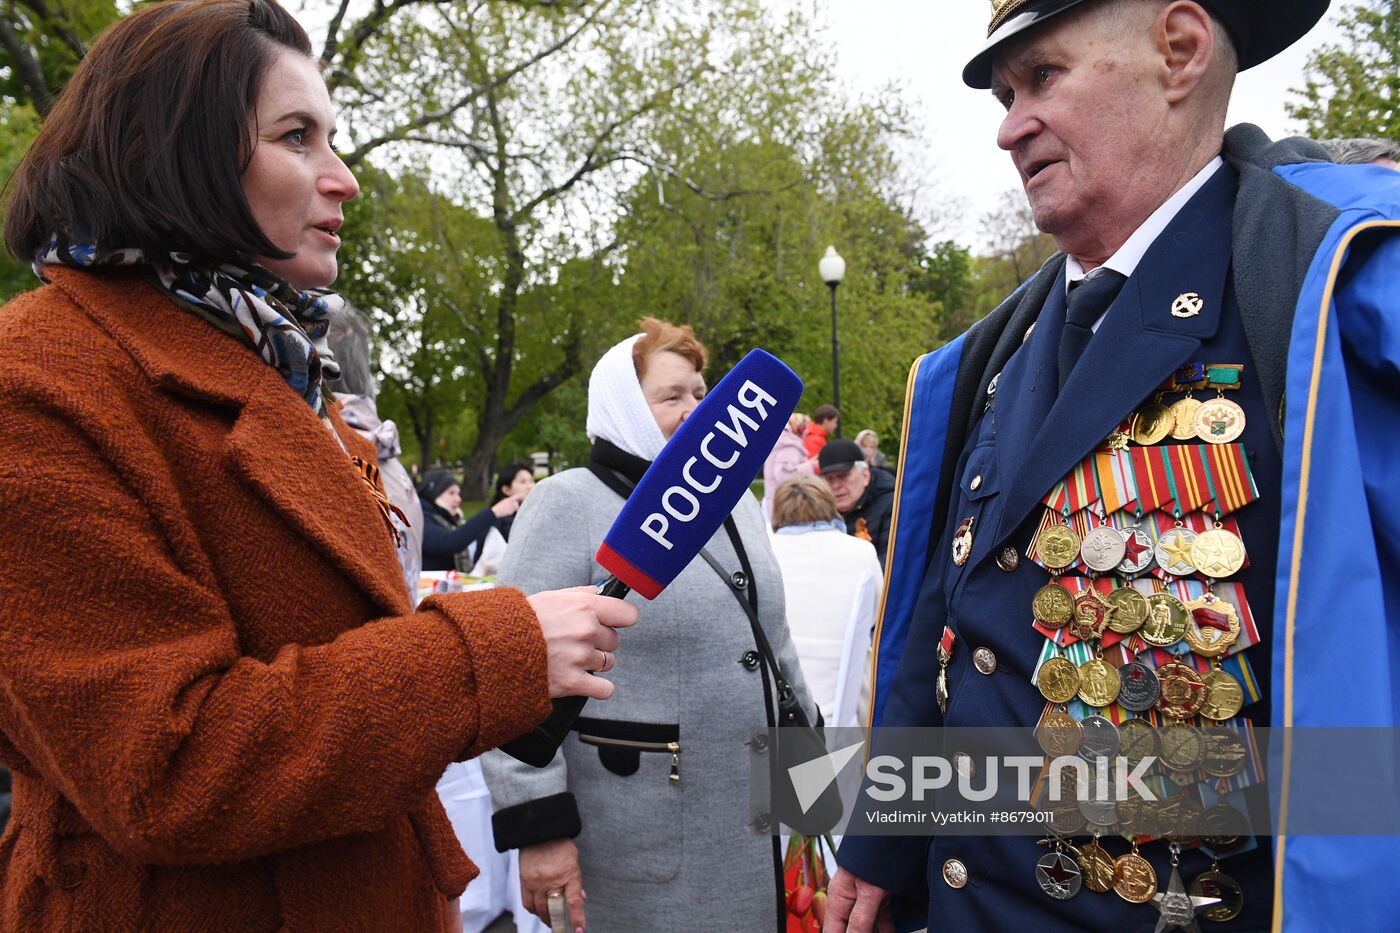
[1088, 300]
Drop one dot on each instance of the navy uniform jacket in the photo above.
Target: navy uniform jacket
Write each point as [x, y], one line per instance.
[1014, 452]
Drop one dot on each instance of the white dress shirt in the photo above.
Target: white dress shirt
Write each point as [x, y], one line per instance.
[1126, 259]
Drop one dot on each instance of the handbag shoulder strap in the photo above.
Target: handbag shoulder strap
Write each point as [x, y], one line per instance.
[791, 709]
[613, 480]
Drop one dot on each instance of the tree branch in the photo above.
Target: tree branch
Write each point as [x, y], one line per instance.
[591, 161]
[437, 116]
[333, 34]
[69, 38]
[26, 67]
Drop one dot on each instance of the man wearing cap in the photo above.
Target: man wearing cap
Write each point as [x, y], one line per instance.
[1211, 357]
[864, 497]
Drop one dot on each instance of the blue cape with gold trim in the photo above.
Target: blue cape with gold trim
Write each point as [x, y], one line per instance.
[1336, 630]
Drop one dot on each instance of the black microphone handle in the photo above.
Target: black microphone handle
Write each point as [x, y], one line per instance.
[538, 748]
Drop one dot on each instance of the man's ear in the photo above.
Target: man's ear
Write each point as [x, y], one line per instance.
[1185, 39]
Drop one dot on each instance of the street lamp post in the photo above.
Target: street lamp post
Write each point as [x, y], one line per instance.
[833, 269]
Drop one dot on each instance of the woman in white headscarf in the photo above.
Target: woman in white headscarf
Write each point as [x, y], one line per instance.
[647, 806]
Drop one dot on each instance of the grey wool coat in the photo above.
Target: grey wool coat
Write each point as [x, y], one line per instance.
[655, 854]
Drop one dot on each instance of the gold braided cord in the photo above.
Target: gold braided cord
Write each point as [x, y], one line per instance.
[1001, 12]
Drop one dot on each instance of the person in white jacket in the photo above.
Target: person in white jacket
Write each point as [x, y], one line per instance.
[832, 583]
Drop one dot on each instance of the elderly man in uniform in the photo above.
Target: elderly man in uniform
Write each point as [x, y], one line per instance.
[1154, 465]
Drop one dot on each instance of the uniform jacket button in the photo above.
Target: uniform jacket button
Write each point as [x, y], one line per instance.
[1008, 559]
[762, 822]
[749, 659]
[740, 579]
[954, 873]
[965, 766]
[976, 483]
[984, 660]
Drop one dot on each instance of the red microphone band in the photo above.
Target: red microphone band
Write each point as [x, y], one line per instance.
[627, 572]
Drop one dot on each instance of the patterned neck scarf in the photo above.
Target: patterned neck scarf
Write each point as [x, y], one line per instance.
[284, 326]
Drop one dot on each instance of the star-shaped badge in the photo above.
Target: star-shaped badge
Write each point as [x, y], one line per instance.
[1177, 550]
[1178, 908]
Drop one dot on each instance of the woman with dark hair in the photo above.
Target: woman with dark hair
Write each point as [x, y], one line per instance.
[449, 541]
[514, 481]
[219, 707]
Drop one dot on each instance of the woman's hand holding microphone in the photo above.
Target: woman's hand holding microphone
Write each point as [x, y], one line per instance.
[580, 633]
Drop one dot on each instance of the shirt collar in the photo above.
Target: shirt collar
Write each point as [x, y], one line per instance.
[1126, 259]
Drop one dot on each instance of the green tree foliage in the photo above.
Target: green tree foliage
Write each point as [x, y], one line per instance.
[946, 274]
[1015, 249]
[539, 174]
[749, 182]
[611, 161]
[42, 41]
[18, 125]
[1353, 89]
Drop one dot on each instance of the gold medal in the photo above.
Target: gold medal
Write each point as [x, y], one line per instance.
[1216, 884]
[1183, 691]
[1174, 551]
[1224, 696]
[1222, 827]
[1133, 816]
[1226, 753]
[1133, 878]
[1058, 546]
[1152, 423]
[1096, 866]
[1166, 623]
[1185, 819]
[1058, 734]
[1137, 739]
[1053, 606]
[1091, 614]
[1130, 610]
[1098, 683]
[1183, 747]
[1217, 553]
[1184, 418]
[1214, 625]
[1219, 421]
[1058, 680]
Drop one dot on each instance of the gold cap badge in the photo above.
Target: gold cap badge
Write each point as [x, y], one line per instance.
[1001, 9]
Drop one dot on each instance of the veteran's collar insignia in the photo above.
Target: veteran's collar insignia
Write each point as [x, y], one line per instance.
[1187, 304]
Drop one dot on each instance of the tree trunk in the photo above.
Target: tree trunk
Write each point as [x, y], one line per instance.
[421, 414]
[480, 464]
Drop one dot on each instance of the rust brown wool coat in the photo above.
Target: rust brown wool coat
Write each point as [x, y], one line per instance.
[220, 710]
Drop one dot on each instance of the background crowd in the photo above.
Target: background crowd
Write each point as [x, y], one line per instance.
[282, 658]
[668, 740]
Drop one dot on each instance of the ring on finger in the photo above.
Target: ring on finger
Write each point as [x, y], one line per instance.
[606, 659]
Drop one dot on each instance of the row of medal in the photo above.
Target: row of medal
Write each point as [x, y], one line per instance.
[1215, 421]
[1143, 521]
